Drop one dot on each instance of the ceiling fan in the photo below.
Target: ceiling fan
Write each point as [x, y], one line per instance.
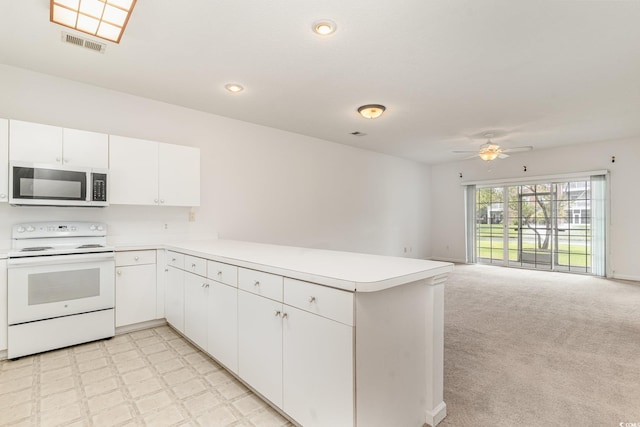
[490, 151]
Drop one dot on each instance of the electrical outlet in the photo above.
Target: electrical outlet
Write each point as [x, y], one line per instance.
[192, 216]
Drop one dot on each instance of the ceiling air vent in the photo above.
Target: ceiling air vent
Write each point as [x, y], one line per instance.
[82, 42]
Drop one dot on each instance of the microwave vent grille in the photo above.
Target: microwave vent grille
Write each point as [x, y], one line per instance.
[83, 42]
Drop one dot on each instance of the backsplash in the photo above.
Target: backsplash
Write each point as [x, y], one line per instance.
[126, 224]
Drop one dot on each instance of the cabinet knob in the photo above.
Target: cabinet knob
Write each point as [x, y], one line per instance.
[155, 200]
[137, 258]
[161, 200]
[206, 285]
[166, 270]
[277, 313]
[173, 260]
[3, 196]
[58, 159]
[312, 299]
[193, 266]
[119, 272]
[285, 315]
[257, 283]
[219, 273]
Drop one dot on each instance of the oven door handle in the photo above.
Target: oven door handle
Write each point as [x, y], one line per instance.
[31, 261]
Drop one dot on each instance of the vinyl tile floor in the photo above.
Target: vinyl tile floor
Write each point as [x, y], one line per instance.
[151, 377]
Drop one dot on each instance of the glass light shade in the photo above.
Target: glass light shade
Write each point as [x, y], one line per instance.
[371, 111]
[488, 155]
[106, 19]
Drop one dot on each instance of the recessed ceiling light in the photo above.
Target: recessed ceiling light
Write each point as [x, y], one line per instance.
[371, 111]
[106, 19]
[234, 87]
[324, 27]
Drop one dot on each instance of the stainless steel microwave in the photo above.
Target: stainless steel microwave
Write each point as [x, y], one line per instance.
[54, 185]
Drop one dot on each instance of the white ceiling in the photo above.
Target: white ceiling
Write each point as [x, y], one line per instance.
[534, 72]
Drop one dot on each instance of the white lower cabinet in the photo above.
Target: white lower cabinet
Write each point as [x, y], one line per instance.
[260, 344]
[174, 298]
[3, 305]
[196, 291]
[222, 324]
[135, 287]
[291, 341]
[317, 360]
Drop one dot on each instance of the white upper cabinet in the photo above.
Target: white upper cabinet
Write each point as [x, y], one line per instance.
[38, 143]
[133, 171]
[4, 160]
[179, 175]
[151, 173]
[34, 142]
[86, 149]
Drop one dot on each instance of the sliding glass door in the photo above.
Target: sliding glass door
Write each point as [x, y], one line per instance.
[545, 226]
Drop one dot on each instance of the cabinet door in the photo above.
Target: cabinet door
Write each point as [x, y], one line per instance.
[222, 340]
[35, 142]
[174, 298]
[196, 289]
[133, 166]
[135, 294]
[260, 344]
[85, 149]
[179, 175]
[3, 305]
[318, 369]
[4, 160]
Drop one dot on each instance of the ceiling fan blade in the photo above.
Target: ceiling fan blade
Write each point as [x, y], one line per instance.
[517, 149]
[465, 151]
[502, 156]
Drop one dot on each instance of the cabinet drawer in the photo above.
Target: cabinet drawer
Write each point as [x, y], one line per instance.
[327, 302]
[195, 265]
[175, 259]
[261, 283]
[223, 273]
[135, 257]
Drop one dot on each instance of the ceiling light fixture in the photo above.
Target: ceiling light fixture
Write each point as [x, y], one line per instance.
[324, 27]
[106, 19]
[488, 155]
[234, 87]
[371, 111]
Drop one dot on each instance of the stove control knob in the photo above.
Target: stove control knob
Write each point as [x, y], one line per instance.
[92, 227]
[100, 228]
[20, 229]
[31, 228]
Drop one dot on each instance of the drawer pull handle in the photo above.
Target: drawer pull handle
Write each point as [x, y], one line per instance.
[137, 258]
[193, 266]
[205, 285]
[219, 273]
[277, 313]
[312, 299]
[257, 283]
[166, 270]
[173, 260]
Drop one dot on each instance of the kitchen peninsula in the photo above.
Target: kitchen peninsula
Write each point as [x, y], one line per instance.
[328, 338]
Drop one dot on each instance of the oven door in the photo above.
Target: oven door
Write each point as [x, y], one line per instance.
[44, 287]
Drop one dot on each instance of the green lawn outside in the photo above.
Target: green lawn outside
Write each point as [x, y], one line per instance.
[575, 255]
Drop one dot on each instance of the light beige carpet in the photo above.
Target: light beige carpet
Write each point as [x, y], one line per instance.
[527, 348]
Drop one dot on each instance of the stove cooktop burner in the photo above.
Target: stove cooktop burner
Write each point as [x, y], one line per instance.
[36, 248]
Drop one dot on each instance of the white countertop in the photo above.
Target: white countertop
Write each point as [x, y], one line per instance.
[344, 270]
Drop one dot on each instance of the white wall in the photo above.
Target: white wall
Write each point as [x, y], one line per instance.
[447, 226]
[258, 183]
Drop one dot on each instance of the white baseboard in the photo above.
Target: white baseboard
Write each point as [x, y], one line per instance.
[625, 277]
[438, 414]
[445, 259]
[3, 354]
[140, 326]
